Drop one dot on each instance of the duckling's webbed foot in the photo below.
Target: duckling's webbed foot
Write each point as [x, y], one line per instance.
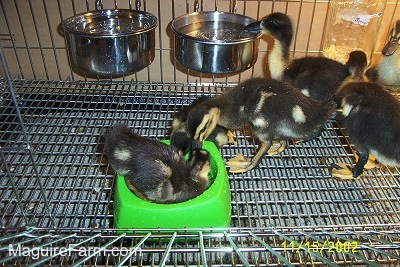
[345, 172]
[341, 171]
[241, 164]
[372, 163]
[238, 163]
[276, 147]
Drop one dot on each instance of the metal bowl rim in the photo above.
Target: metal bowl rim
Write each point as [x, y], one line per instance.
[103, 12]
[213, 42]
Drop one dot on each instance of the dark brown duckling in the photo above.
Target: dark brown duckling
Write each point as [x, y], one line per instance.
[317, 77]
[274, 110]
[371, 118]
[156, 170]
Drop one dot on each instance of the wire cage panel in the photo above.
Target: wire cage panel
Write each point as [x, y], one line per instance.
[294, 188]
[65, 131]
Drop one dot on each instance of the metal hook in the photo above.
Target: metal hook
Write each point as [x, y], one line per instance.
[99, 4]
[234, 6]
[196, 5]
[138, 4]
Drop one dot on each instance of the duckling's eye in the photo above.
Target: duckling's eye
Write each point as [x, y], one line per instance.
[272, 22]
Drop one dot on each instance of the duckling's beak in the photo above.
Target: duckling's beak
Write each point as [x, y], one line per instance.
[393, 43]
[390, 47]
[254, 27]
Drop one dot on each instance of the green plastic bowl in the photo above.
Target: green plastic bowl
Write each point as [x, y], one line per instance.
[211, 209]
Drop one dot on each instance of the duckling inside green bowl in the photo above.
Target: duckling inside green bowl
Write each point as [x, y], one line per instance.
[157, 187]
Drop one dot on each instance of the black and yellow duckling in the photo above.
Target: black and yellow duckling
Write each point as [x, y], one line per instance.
[181, 139]
[371, 118]
[317, 77]
[387, 71]
[155, 171]
[274, 110]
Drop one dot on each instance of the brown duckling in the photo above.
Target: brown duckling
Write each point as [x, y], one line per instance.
[274, 110]
[317, 77]
[371, 118]
[155, 170]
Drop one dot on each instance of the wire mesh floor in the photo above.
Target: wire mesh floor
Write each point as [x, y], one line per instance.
[58, 188]
[65, 121]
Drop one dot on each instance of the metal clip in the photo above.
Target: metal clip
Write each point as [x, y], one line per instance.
[234, 6]
[99, 4]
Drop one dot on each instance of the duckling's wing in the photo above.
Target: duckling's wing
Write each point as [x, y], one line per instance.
[316, 77]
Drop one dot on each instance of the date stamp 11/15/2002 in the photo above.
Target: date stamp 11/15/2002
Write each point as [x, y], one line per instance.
[320, 246]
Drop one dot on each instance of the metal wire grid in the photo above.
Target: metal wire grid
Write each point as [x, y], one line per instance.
[270, 247]
[293, 189]
[64, 121]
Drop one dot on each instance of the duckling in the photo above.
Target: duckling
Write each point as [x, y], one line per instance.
[371, 119]
[180, 138]
[317, 77]
[156, 171]
[356, 65]
[274, 110]
[387, 72]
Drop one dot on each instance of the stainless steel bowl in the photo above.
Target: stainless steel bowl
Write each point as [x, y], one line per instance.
[110, 42]
[213, 42]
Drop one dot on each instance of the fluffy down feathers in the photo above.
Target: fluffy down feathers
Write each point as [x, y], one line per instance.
[372, 121]
[317, 77]
[155, 170]
[273, 109]
[371, 117]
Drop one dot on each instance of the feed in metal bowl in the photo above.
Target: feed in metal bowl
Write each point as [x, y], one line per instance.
[110, 42]
[213, 42]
